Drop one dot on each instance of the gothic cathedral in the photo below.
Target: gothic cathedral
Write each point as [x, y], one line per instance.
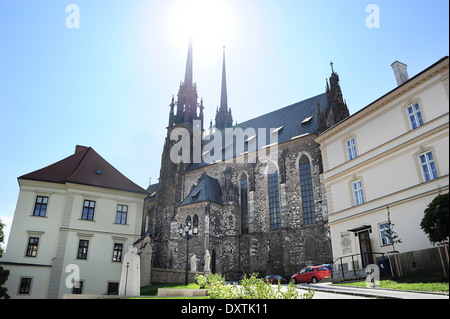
[256, 210]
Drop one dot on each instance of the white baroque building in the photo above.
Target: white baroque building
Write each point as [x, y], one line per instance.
[392, 153]
[73, 221]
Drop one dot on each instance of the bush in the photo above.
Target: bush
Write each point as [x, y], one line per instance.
[205, 281]
[254, 288]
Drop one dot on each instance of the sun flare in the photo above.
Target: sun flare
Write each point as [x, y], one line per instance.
[207, 22]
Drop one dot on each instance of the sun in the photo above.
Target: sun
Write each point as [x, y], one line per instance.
[207, 22]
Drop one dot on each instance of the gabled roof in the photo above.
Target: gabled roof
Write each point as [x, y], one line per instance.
[207, 189]
[293, 121]
[85, 167]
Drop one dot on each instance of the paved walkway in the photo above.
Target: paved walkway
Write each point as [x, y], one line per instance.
[371, 292]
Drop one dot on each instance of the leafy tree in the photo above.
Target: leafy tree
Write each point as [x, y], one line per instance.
[3, 273]
[436, 219]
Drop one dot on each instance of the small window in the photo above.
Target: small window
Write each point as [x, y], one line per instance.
[117, 252]
[82, 249]
[276, 130]
[428, 166]
[307, 120]
[40, 207]
[88, 210]
[414, 115]
[385, 240]
[121, 214]
[251, 138]
[25, 286]
[351, 148]
[77, 287]
[32, 246]
[358, 195]
[195, 220]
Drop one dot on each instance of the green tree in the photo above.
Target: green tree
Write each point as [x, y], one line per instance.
[3, 272]
[436, 219]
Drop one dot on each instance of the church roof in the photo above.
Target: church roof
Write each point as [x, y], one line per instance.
[85, 167]
[293, 121]
[207, 189]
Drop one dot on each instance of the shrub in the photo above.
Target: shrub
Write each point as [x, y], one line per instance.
[205, 281]
[254, 288]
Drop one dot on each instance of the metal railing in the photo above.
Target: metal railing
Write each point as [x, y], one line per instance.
[360, 257]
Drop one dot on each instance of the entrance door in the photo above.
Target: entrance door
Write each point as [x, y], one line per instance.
[366, 248]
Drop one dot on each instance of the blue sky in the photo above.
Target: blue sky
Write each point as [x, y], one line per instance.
[108, 83]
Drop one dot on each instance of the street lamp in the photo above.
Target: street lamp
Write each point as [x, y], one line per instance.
[188, 231]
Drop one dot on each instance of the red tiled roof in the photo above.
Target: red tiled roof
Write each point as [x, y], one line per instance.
[85, 167]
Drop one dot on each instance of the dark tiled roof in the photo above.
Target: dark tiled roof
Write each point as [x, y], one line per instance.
[207, 189]
[290, 118]
[85, 167]
[152, 190]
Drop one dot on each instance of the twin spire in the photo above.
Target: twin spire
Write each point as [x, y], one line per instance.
[187, 99]
[223, 114]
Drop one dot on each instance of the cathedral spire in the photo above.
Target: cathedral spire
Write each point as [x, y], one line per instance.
[223, 92]
[223, 114]
[188, 77]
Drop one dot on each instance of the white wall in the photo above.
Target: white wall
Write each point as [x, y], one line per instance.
[64, 215]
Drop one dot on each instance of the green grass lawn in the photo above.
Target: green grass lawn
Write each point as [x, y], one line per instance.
[424, 280]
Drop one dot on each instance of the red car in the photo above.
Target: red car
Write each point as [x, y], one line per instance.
[311, 274]
[274, 279]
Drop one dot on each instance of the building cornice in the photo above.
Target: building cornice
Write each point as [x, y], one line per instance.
[439, 67]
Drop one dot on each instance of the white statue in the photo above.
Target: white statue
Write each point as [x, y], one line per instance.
[130, 279]
[207, 260]
[194, 263]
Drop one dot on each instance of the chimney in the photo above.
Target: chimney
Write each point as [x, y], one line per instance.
[401, 74]
[80, 148]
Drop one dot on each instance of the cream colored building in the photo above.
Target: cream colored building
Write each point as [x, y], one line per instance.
[73, 221]
[393, 153]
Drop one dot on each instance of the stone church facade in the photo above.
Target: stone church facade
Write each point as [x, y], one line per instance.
[261, 210]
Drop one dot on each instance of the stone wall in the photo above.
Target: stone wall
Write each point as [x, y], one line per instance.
[164, 276]
[292, 246]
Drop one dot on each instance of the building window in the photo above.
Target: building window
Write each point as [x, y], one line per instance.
[82, 249]
[25, 286]
[428, 166]
[40, 207]
[32, 246]
[414, 115]
[117, 252]
[77, 287]
[309, 215]
[274, 203]
[385, 240]
[112, 287]
[195, 222]
[358, 195]
[88, 210]
[121, 214]
[351, 148]
[244, 207]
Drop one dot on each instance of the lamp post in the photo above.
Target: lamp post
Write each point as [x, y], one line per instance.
[188, 231]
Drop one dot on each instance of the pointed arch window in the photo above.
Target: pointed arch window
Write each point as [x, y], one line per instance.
[244, 206]
[274, 202]
[309, 214]
[195, 223]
